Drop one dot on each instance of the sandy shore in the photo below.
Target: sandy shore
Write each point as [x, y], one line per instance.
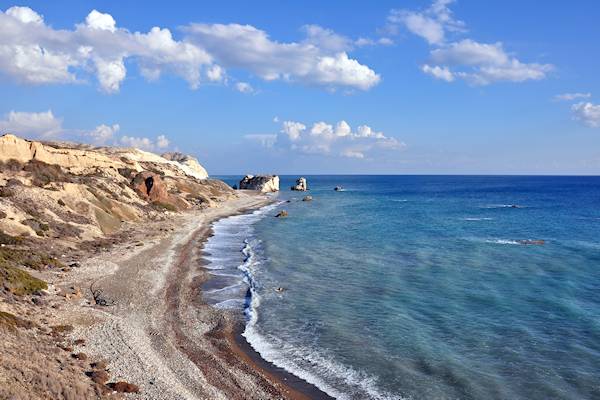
[159, 334]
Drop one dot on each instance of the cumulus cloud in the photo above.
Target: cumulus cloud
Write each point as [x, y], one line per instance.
[588, 113]
[572, 96]
[102, 133]
[319, 60]
[475, 62]
[33, 52]
[328, 139]
[144, 143]
[41, 124]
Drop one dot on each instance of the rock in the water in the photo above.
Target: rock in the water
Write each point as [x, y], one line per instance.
[282, 214]
[262, 183]
[300, 185]
[338, 189]
[307, 198]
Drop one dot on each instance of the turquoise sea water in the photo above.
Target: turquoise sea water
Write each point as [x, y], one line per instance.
[421, 287]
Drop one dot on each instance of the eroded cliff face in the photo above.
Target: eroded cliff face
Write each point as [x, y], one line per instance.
[76, 192]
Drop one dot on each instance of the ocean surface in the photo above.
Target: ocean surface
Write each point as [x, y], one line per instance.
[422, 287]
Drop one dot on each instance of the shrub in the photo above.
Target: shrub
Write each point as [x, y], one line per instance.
[43, 174]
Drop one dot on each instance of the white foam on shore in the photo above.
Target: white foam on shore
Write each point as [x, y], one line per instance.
[335, 379]
[300, 360]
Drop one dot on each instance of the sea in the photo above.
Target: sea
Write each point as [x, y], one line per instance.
[421, 287]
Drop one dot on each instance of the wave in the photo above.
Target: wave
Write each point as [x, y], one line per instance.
[296, 359]
[503, 241]
[400, 200]
[477, 219]
[503, 206]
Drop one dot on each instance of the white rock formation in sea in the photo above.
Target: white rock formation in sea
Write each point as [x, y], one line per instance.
[300, 185]
[262, 183]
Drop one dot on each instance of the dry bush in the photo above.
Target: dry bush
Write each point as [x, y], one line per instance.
[42, 174]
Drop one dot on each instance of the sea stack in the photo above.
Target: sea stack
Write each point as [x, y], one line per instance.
[262, 183]
[300, 185]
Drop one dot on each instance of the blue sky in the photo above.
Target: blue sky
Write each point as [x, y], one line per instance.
[251, 87]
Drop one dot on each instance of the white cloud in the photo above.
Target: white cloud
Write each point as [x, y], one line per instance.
[35, 53]
[293, 130]
[475, 62]
[145, 143]
[482, 64]
[326, 39]
[572, 96]
[385, 41]
[101, 21]
[438, 72]
[352, 154]
[215, 73]
[25, 15]
[244, 87]
[162, 142]
[319, 60]
[329, 139]
[587, 113]
[102, 133]
[431, 24]
[29, 124]
[265, 140]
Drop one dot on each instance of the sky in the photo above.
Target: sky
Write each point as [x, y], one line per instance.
[313, 87]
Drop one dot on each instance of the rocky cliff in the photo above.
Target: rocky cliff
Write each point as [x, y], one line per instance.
[77, 192]
[261, 183]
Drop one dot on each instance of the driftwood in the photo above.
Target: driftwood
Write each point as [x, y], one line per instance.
[99, 299]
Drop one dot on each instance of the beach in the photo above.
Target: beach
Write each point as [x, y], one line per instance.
[159, 334]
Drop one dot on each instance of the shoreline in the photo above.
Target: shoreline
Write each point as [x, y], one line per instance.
[299, 389]
[163, 336]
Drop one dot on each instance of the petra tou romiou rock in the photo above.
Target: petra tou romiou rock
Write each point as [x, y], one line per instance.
[262, 183]
[300, 185]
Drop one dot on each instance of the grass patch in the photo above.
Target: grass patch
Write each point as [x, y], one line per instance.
[28, 258]
[19, 282]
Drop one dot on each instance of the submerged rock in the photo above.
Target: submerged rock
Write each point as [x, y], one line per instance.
[262, 183]
[300, 185]
[307, 198]
[282, 214]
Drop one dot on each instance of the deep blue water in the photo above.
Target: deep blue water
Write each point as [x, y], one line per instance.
[420, 287]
